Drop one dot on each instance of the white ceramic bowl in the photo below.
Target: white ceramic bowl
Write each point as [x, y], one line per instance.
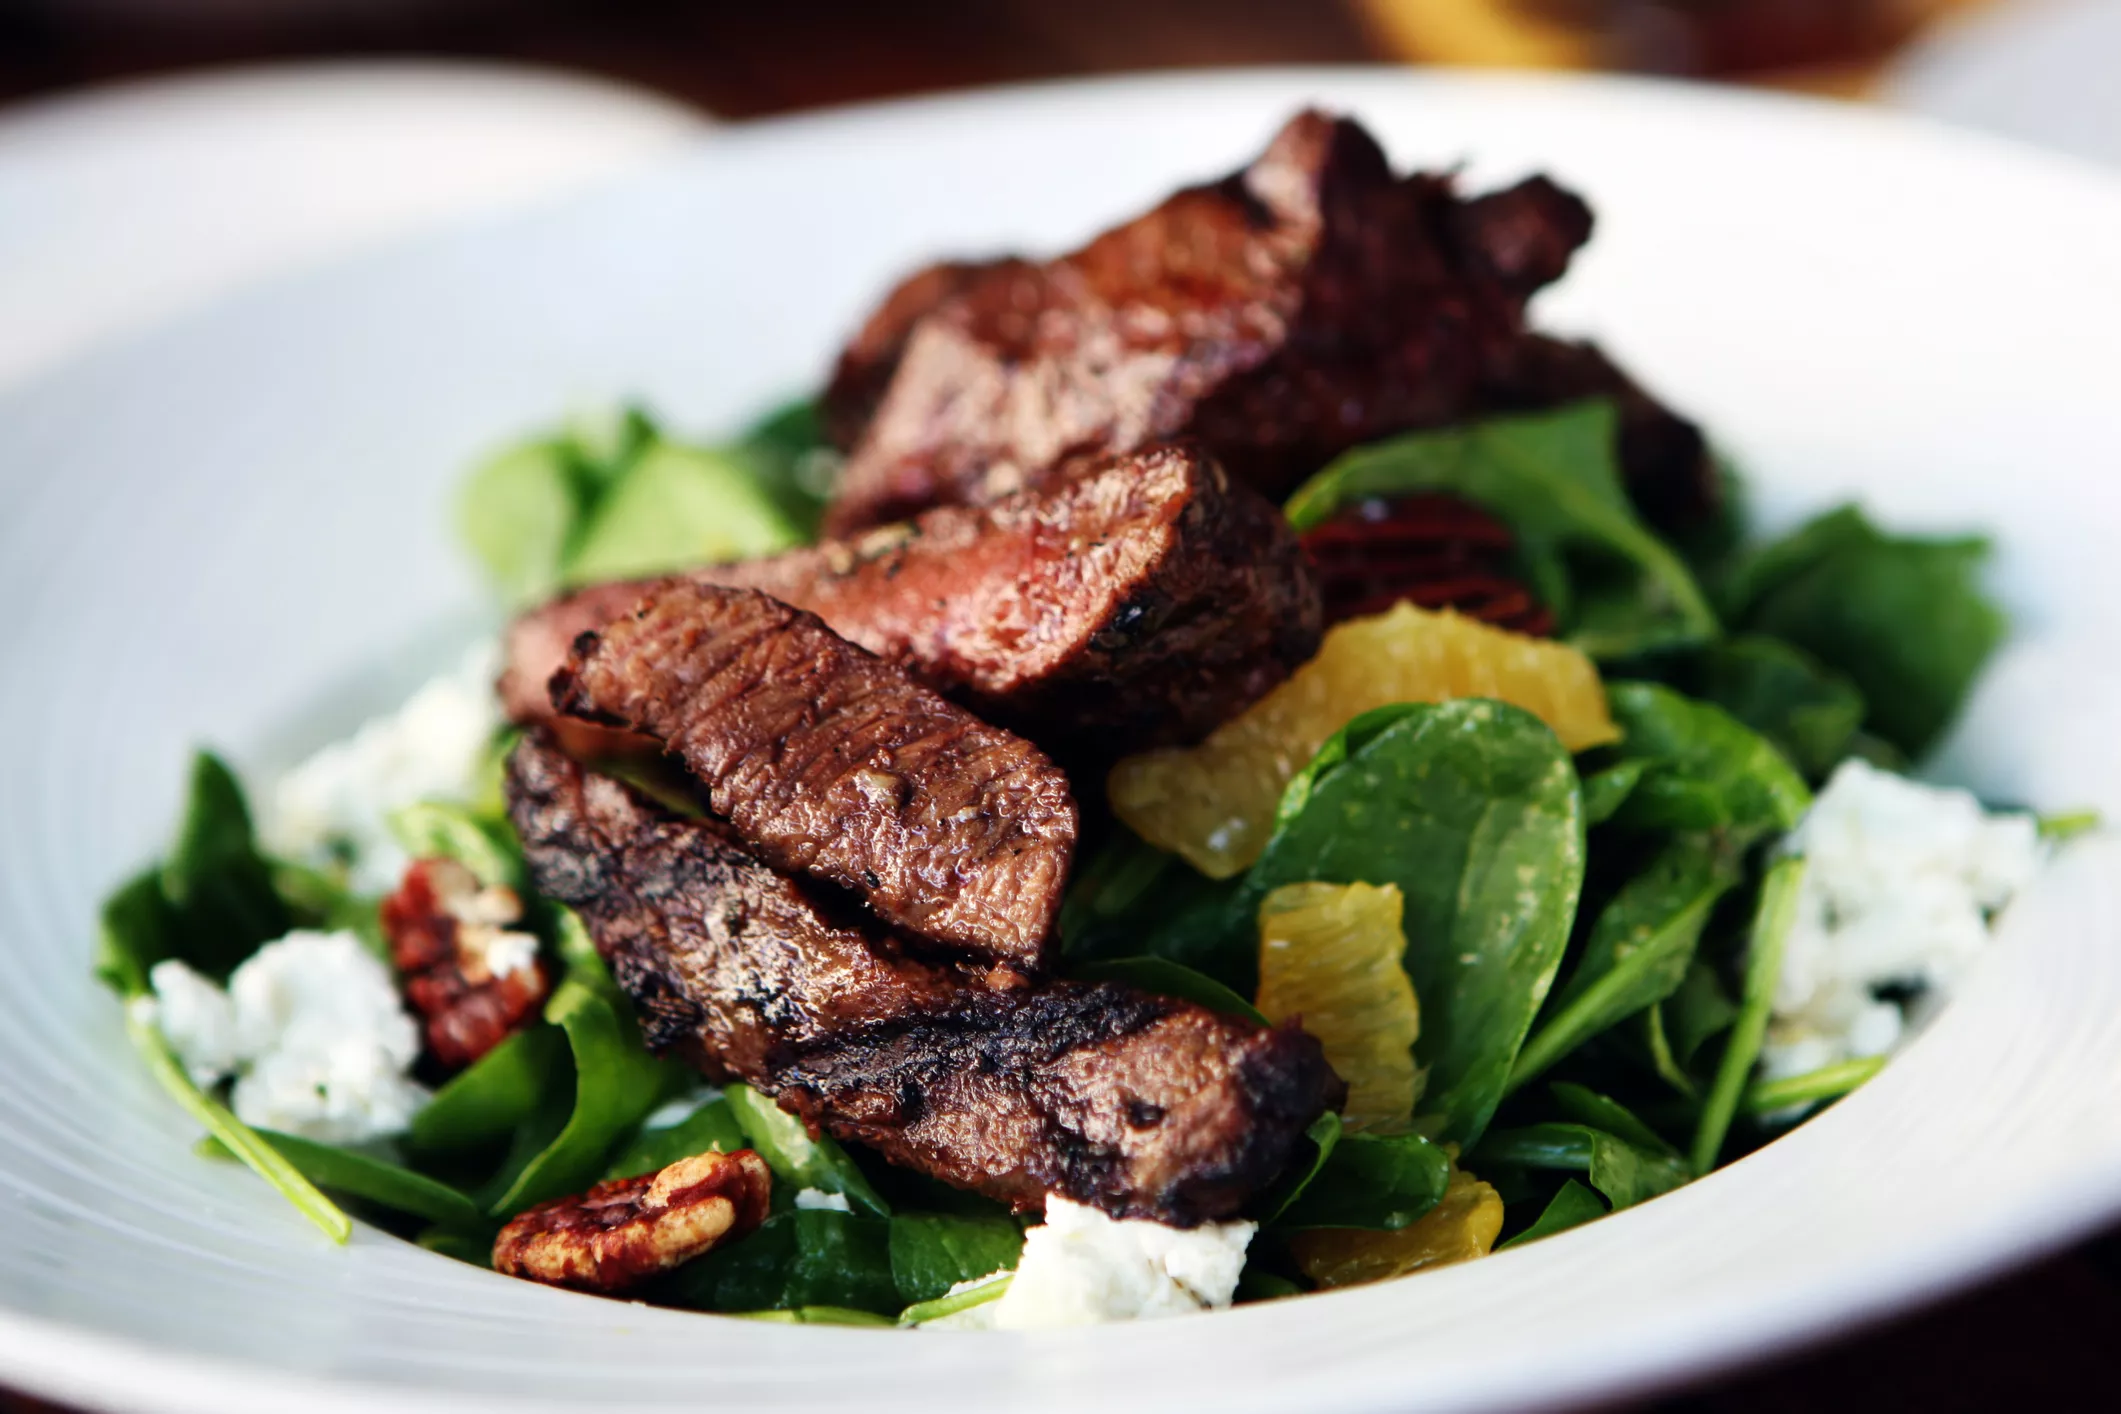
[203, 533]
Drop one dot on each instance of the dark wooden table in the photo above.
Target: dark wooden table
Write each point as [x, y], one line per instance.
[2047, 1337]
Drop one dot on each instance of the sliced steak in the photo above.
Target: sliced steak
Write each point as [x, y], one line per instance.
[830, 761]
[866, 365]
[1145, 1106]
[1142, 605]
[1306, 304]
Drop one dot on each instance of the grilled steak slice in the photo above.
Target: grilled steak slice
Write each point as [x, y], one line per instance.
[828, 760]
[1308, 303]
[1139, 606]
[871, 357]
[1144, 1106]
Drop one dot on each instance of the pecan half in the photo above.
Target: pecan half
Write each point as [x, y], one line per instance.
[620, 1233]
[1432, 550]
[473, 977]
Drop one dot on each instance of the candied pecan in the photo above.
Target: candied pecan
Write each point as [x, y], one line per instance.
[473, 978]
[620, 1233]
[1432, 550]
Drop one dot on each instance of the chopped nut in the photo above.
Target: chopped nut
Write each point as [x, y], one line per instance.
[619, 1234]
[470, 975]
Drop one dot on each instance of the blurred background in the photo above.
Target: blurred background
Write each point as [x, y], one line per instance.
[157, 154]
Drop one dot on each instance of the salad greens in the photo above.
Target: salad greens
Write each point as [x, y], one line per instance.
[620, 502]
[1554, 478]
[1903, 618]
[1593, 941]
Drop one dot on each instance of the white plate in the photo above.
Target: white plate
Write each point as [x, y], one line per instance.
[129, 204]
[2038, 70]
[201, 533]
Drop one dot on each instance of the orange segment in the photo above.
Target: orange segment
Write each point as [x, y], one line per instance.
[1214, 803]
[1329, 955]
[1463, 1225]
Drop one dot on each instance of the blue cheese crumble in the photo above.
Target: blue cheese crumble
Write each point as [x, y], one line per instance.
[1901, 883]
[1082, 1268]
[428, 749]
[311, 1030]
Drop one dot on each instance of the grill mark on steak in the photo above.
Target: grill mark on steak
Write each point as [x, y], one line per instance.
[1141, 605]
[827, 760]
[1309, 303]
[1145, 1106]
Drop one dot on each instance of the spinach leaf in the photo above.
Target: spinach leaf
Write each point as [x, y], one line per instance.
[1637, 953]
[210, 904]
[1706, 771]
[796, 1158]
[794, 461]
[322, 899]
[932, 1252]
[1573, 1206]
[1624, 1173]
[562, 1146]
[1808, 711]
[1587, 1106]
[1170, 979]
[1763, 966]
[359, 1175]
[1471, 808]
[239, 1138]
[676, 507]
[1554, 478]
[491, 1099]
[1323, 1135]
[435, 829]
[1376, 1181]
[219, 888]
[1904, 618]
[133, 934]
[807, 1257]
[922, 1312]
[518, 514]
[1829, 1082]
[1604, 792]
[712, 1126]
[1698, 1011]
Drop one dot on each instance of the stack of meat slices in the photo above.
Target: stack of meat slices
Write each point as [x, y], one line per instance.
[1054, 545]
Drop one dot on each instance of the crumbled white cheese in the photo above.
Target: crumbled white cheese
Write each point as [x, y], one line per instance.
[1082, 1267]
[428, 749]
[313, 1031]
[196, 1018]
[819, 1198]
[1901, 880]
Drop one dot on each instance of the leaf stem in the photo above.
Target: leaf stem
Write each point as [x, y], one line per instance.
[1829, 1082]
[264, 1160]
[1763, 967]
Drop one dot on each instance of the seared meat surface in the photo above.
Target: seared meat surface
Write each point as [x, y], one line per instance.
[1308, 303]
[828, 760]
[1145, 1106]
[1139, 606]
[864, 368]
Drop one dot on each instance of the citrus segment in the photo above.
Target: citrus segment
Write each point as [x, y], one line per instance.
[1214, 803]
[1329, 955]
[1463, 1225]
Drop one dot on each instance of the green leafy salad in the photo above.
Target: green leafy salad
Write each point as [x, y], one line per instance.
[1564, 912]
